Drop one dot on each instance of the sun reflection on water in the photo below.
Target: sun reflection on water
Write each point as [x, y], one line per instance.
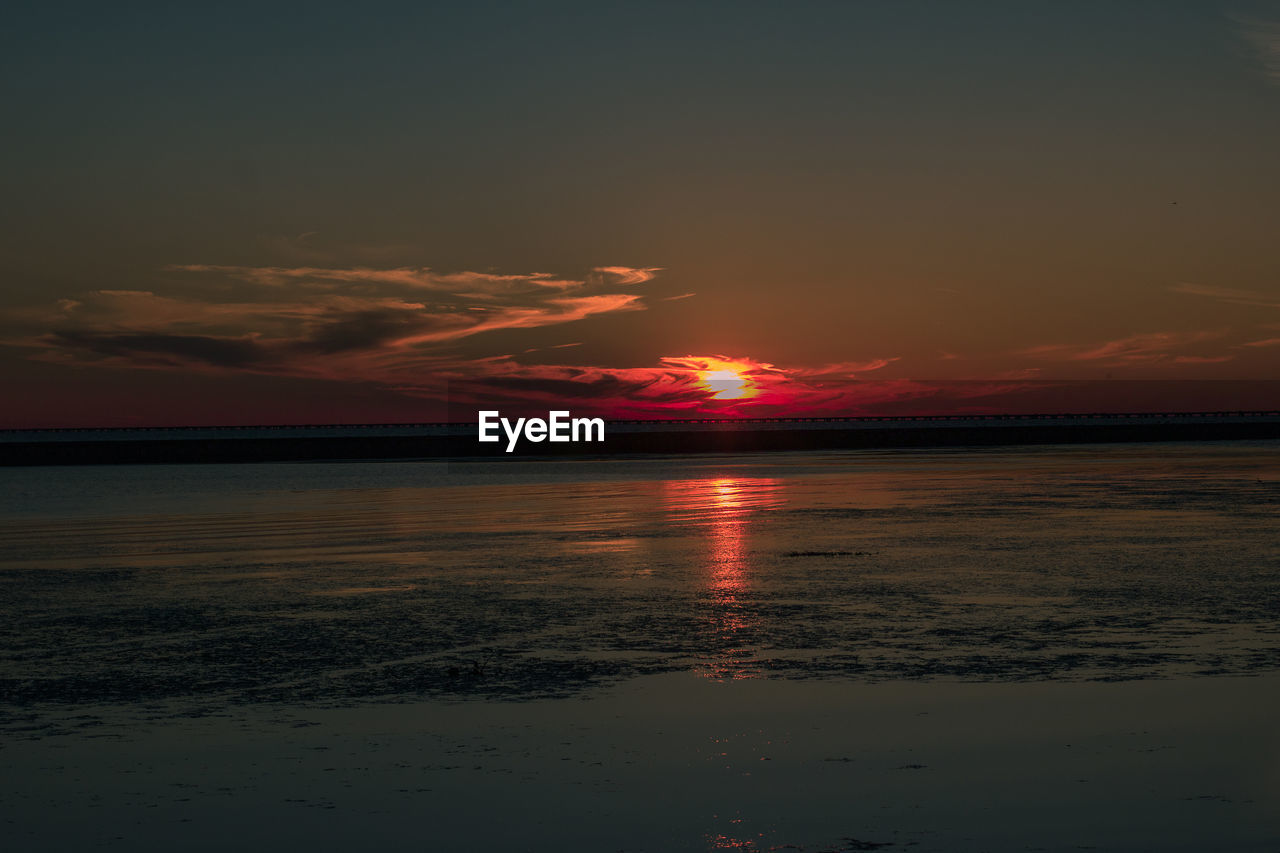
[724, 507]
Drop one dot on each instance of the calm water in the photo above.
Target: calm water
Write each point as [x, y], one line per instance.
[343, 583]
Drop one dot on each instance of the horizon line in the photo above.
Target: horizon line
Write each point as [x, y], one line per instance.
[1234, 413]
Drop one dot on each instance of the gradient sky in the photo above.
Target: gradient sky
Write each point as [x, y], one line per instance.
[375, 213]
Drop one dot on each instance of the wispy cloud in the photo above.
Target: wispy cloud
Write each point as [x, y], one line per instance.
[425, 278]
[1234, 296]
[1202, 359]
[1263, 37]
[554, 346]
[628, 275]
[847, 369]
[1148, 348]
[1264, 343]
[353, 323]
[701, 363]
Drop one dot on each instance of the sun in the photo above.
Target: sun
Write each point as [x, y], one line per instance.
[723, 379]
[727, 384]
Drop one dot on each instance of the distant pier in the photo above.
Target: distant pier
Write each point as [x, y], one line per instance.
[159, 445]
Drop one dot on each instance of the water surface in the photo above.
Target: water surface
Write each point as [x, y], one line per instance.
[337, 583]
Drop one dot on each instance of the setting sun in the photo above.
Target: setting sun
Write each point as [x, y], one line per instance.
[723, 378]
[728, 384]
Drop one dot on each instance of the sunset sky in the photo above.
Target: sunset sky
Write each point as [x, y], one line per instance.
[386, 213]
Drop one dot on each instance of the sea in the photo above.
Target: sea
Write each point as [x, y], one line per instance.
[138, 598]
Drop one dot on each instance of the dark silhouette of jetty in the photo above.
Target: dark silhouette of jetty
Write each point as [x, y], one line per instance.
[738, 435]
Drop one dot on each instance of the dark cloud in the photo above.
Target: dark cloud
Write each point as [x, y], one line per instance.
[152, 348]
[657, 388]
[364, 330]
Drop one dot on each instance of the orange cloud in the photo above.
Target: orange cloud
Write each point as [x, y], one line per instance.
[849, 368]
[1135, 349]
[469, 282]
[361, 324]
[628, 275]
